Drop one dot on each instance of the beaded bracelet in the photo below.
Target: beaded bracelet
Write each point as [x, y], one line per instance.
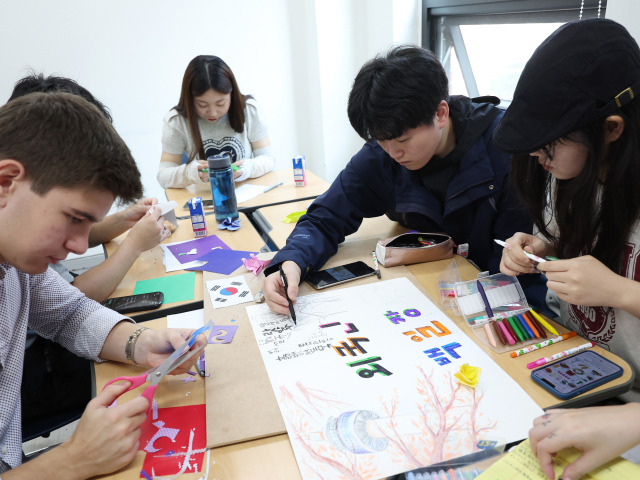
[129, 349]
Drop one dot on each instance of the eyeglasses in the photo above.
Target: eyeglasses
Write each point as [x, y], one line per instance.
[549, 151]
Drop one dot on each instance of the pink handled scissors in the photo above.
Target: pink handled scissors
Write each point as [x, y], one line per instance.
[156, 374]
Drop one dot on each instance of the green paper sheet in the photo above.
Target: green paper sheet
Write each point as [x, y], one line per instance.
[176, 288]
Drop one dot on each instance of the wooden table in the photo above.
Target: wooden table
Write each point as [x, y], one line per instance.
[287, 192]
[278, 231]
[149, 264]
[273, 458]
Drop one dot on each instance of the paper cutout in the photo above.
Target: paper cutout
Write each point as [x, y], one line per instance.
[468, 375]
[167, 210]
[188, 379]
[193, 251]
[171, 263]
[222, 333]
[293, 217]
[222, 261]
[188, 444]
[373, 401]
[254, 264]
[202, 245]
[176, 288]
[228, 224]
[521, 463]
[169, 433]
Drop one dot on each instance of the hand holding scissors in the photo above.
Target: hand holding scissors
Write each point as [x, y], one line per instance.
[156, 374]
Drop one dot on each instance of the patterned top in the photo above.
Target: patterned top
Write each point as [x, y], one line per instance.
[54, 309]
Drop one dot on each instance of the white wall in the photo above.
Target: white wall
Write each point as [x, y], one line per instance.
[297, 57]
[626, 12]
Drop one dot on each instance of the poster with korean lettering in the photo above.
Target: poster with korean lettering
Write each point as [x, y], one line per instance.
[365, 383]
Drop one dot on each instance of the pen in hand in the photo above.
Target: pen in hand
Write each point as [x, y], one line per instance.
[375, 264]
[286, 294]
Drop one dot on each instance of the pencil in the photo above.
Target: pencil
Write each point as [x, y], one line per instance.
[544, 323]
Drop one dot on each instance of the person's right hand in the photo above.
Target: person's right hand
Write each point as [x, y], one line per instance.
[106, 437]
[514, 261]
[273, 288]
[148, 232]
[202, 164]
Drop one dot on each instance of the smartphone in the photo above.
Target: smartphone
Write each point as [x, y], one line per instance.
[576, 374]
[205, 204]
[336, 275]
[135, 303]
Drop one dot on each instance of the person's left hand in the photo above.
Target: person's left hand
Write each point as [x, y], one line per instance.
[147, 232]
[238, 173]
[136, 211]
[154, 346]
[582, 281]
[601, 433]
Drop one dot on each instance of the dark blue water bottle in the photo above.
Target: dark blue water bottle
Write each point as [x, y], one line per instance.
[222, 187]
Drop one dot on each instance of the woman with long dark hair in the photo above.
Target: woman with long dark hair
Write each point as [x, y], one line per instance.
[574, 130]
[212, 117]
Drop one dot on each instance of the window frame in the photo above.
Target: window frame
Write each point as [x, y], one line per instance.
[465, 12]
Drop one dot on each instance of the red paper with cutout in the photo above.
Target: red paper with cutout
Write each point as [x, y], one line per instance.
[178, 434]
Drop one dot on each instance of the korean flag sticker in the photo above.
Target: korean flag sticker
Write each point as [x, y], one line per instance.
[229, 291]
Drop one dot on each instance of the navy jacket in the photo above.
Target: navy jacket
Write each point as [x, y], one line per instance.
[479, 207]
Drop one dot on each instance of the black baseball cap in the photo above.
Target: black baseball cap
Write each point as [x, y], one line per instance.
[584, 71]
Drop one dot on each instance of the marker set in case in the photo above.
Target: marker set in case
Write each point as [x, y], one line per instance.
[512, 324]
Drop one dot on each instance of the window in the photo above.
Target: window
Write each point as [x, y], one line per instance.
[484, 45]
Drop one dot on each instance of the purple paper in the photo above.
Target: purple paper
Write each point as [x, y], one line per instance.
[221, 261]
[203, 245]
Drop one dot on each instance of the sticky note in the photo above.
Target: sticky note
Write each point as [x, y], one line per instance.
[468, 375]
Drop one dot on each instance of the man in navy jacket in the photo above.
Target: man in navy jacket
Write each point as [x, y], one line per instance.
[429, 163]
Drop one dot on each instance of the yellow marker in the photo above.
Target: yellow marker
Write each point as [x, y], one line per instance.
[544, 323]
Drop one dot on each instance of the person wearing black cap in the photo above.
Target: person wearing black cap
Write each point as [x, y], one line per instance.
[574, 131]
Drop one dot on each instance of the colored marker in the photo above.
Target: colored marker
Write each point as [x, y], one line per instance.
[507, 335]
[515, 328]
[499, 333]
[536, 323]
[533, 257]
[566, 353]
[487, 329]
[531, 325]
[205, 170]
[525, 325]
[512, 332]
[544, 323]
[546, 343]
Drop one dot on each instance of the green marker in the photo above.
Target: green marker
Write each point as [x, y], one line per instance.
[551, 258]
[205, 170]
[515, 328]
[234, 167]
